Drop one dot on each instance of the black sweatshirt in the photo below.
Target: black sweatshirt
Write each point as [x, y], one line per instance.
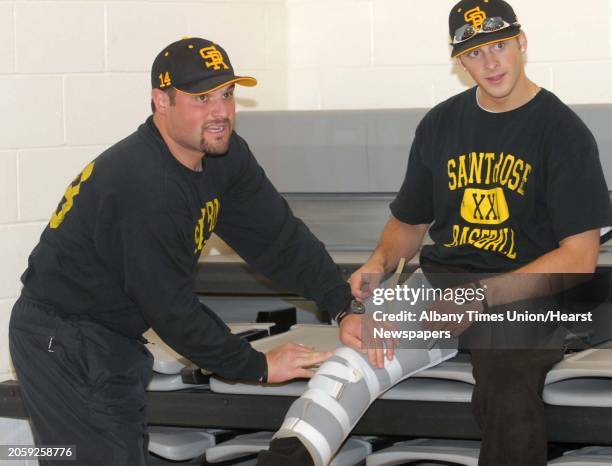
[123, 246]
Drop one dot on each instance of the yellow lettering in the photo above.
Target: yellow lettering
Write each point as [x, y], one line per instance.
[501, 240]
[506, 169]
[68, 200]
[164, 79]
[520, 190]
[463, 178]
[474, 236]
[452, 184]
[489, 156]
[497, 167]
[476, 167]
[516, 175]
[455, 237]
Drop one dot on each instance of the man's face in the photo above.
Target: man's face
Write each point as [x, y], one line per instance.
[202, 123]
[497, 68]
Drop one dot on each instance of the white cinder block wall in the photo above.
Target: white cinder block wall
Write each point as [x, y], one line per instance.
[75, 77]
[395, 53]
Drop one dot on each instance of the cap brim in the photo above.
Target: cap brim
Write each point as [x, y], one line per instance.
[212, 84]
[480, 40]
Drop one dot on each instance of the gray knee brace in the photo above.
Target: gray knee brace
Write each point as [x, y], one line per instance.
[342, 390]
[344, 387]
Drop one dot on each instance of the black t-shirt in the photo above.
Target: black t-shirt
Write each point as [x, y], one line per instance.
[501, 189]
[123, 245]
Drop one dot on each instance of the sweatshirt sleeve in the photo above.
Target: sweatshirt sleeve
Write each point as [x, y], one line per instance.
[159, 268]
[258, 224]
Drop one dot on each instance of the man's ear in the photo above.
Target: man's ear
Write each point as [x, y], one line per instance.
[522, 40]
[161, 100]
[460, 63]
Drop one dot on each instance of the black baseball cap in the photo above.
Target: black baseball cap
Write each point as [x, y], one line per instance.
[473, 13]
[195, 66]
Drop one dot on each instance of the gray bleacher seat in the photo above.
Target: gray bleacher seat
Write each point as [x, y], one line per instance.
[321, 337]
[179, 443]
[167, 363]
[588, 456]
[582, 379]
[428, 451]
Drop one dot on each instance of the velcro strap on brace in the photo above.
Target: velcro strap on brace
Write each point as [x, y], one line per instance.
[326, 385]
[361, 365]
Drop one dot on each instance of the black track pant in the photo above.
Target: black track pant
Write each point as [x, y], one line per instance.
[82, 385]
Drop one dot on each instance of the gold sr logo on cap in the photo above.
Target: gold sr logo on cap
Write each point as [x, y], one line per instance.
[475, 16]
[213, 58]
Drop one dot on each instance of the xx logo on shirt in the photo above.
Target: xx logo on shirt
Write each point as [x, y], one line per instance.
[484, 206]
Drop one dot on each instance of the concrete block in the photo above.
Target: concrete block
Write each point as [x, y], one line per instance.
[573, 32]
[7, 38]
[269, 94]
[329, 35]
[16, 243]
[398, 87]
[137, 32]
[8, 187]
[304, 89]
[31, 111]
[101, 109]
[54, 37]
[583, 83]
[239, 28]
[410, 32]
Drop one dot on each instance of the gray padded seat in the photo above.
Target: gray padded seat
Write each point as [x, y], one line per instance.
[427, 451]
[582, 379]
[449, 381]
[167, 363]
[179, 443]
[321, 337]
[588, 456]
[424, 389]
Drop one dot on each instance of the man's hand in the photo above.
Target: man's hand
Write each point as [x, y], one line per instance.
[291, 361]
[351, 329]
[365, 279]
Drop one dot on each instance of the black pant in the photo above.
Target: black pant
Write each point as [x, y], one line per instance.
[507, 403]
[82, 385]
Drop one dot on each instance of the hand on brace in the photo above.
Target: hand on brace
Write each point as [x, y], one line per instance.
[291, 361]
[352, 335]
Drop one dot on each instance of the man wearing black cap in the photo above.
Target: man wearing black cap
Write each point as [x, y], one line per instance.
[119, 256]
[506, 179]
[501, 176]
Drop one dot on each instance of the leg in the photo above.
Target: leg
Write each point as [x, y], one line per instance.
[507, 403]
[337, 396]
[82, 385]
[342, 390]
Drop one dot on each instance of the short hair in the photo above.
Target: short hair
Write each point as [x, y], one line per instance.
[171, 94]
